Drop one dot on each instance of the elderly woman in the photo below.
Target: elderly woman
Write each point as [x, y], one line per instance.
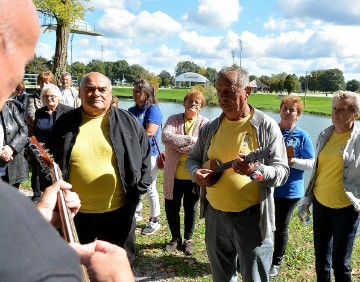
[334, 190]
[33, 101]
[300, 157]
[149, 114]
[13, 165]
[179, 136]
[43, 122]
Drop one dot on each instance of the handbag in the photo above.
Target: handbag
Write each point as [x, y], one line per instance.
[160, 157]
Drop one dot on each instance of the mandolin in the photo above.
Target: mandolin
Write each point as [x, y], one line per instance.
[53, 173]
[217, 167]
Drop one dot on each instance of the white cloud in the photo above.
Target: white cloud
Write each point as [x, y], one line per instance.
[44, 50]
[275, 24]
[214, 13]
[193, 43]
[83, 42]
[143, 27]
[345, 12]
[104, 4]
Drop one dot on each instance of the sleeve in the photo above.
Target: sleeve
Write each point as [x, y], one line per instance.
[171, 137]
[153, 115]
[20, 139]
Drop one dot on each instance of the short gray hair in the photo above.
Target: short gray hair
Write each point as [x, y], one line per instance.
[65, 74]
[56, 91]
[348, 95]
[241, 80]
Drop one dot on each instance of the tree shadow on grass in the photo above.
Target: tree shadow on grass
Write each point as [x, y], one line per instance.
[153, 263]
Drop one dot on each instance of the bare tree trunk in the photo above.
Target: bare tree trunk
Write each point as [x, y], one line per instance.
[62, 38]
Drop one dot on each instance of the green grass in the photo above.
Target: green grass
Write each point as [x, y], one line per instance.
[154, 262]
[313, 105]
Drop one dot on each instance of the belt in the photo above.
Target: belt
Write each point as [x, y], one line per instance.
[248, 211]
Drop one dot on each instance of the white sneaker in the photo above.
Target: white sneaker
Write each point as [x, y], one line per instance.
[138, 216]
[151, 227]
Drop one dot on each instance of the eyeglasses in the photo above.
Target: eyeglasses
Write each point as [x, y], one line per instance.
[50, 97]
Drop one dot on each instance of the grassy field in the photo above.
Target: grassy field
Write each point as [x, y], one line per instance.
[313, 105]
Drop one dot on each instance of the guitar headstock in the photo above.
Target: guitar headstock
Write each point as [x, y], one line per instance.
[258, 155]
[44, 158]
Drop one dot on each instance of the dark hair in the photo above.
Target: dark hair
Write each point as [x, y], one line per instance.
[146, 87]
[293, 99]
[193, 93]
[20, 87]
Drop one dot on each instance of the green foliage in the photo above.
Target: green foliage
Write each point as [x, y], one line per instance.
[186, 66]
[290, 83]
[353, 85]
[37, 65]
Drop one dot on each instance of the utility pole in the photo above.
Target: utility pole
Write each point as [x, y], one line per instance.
[241, 46]
[102, 53]
[71, 51]
[306, 88]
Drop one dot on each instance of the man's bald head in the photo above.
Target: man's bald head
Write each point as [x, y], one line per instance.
[17, 42]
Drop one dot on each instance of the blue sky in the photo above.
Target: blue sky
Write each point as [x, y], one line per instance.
[292, 36]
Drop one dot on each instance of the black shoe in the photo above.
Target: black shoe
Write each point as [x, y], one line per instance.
[173, 245]
[35, 199]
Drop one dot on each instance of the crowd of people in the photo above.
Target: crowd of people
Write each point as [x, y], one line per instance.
[245, 169]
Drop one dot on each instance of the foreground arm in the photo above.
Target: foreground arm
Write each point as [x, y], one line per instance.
[105, 261]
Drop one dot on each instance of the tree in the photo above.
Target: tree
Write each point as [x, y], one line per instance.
[165, 77]
[78, 69]
[66, 13]
[290, 83]
[135, 72]
[332, 80]
[186, 66]
[95, 65]
[37, 65]
[211, 74]
[353, 85]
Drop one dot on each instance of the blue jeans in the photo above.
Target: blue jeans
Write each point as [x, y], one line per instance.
[232, 236]
[334, 236]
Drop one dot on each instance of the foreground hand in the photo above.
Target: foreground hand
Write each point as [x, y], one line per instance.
[241, 166]
[47, 204]
[202, 176]
[104, 261]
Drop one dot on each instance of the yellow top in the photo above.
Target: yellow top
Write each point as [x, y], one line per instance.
[233, 192]
[181, 172]
[93, 170]
[329, 190]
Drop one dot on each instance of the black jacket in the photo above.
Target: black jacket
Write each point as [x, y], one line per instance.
[15, 135]
[40, 113]
[129, 140]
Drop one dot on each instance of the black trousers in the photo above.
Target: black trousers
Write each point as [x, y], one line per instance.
[183, 191]
[284, 209]
[116, 227]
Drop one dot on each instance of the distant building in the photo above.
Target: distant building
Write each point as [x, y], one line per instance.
[257, 85]
[190, 79]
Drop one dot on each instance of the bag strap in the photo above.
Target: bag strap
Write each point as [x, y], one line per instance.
[291, 132]
[156, 144]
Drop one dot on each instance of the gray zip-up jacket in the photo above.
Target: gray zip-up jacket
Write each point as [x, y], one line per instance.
[351, 166]
[275, 169]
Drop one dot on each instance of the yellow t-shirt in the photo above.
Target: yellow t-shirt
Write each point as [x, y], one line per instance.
[181, 172]
[329, 190]
[93, 176]
[233, 192]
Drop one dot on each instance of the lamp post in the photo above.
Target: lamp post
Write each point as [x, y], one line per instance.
[306, 87]
[233, 56]
[240, 46]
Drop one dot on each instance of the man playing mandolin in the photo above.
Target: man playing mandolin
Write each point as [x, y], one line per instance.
[238, 208]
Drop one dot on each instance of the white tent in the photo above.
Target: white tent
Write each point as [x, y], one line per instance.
[191, 78]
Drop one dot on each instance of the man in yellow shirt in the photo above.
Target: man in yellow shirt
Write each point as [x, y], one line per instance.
[239, 207]
[103, 152]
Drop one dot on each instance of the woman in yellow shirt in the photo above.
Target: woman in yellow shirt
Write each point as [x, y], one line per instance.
[334, 190]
